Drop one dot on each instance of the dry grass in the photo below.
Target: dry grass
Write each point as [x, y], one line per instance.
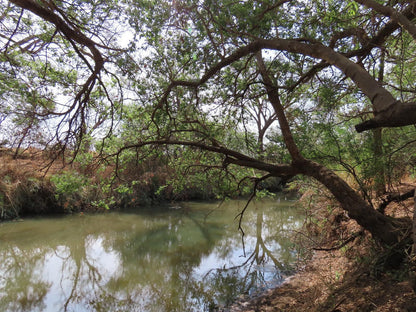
[31, 162]
[25, 188]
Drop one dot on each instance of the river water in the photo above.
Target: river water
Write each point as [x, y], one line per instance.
[184, 257]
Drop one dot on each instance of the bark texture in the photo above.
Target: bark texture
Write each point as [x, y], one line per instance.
[388, 111]
[380, 226]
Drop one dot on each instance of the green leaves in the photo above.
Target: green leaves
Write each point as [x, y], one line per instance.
[187, 76]
[352, 8]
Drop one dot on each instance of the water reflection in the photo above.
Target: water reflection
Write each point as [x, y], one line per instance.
[188, 259]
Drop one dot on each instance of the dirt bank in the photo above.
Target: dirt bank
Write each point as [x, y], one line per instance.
[331, 282]
[342, 279]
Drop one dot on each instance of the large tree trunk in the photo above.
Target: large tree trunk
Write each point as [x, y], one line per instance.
[383, 228]
[380, 226]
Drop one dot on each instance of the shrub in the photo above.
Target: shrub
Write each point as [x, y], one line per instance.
[71, 190]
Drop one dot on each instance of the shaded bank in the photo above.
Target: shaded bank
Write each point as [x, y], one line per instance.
[346, 271]
[30, 184]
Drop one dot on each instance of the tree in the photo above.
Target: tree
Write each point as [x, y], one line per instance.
[53, 67]
[196, 68]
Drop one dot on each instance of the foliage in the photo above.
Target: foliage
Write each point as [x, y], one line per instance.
[71, 188]
[186, 99]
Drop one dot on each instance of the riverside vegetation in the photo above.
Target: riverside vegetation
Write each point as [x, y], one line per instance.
[31, 185]
[144, 100]
[346, 262]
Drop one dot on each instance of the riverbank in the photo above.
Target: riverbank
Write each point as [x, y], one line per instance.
[331, 282]
[344, 274]
[38, 182]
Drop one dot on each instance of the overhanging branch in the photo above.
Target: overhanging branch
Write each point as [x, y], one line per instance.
[389, 112]
[395, 15]
[231, 156]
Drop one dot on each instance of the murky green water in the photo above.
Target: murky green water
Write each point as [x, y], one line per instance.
[184, 258]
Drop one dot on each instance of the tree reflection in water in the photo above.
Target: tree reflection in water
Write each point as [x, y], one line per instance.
[156, 260]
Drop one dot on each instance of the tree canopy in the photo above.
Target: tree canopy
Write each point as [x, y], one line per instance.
[283, 87]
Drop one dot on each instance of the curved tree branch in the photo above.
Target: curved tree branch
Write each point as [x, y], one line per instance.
[231, 156]
[396, 16]
[68, 30]
[74, 36]
[388, 111]
[369, 44]
[274, 98]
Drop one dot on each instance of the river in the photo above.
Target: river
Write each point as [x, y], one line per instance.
[182, 257]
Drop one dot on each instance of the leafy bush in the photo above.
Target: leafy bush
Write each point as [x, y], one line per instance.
[71, 190]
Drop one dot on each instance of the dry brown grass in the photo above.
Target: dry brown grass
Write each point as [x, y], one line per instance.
[25, 187]
[29, 163]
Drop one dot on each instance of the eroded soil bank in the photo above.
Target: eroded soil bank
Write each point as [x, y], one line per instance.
[342, 279]
[330, 282]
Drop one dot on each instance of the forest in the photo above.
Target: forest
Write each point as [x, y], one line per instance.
[128, 103]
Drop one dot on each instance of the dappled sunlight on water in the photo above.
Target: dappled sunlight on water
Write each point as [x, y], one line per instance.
[190, 258]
